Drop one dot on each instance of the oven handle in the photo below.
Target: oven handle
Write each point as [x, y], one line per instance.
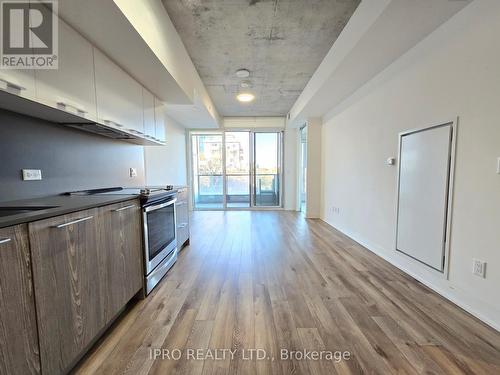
[160, 206]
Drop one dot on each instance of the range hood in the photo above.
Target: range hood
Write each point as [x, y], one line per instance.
[18, 104]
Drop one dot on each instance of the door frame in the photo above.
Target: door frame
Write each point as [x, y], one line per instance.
[252, 131]
[449, 204]
[281, 161]
[191, 171]
[301, 176]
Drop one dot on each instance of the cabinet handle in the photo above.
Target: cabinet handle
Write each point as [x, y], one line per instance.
[13, 85]
[73, 222]
[183, 225]
[112, 123]
[135, 131]
[125, 208]
[66, 105]
[5, 240]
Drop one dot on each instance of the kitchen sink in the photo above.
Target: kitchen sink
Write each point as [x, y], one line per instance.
[10, 211]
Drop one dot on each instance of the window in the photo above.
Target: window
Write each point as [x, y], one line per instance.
[236, 169]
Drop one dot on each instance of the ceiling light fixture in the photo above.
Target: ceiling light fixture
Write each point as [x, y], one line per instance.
[242, 73]
[245, 97]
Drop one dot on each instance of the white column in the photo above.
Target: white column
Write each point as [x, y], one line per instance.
[290, 164]
[313, 196]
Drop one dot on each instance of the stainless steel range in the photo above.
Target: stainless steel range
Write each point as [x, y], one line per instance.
[159, 228]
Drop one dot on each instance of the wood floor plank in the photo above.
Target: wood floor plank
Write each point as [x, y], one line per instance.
[176, 340]
[407, 346]
[311, 341]
[273, 280]
[266, 337]
[244, 326]
[197, 344]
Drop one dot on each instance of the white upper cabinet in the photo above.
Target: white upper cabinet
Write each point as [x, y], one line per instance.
[86, 88]
[70, 87]
[160, 121]
[119, 96]
[149, 113]
[18, 82]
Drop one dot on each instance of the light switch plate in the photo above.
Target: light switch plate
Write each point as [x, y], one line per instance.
[133, 172]
[32, 174]
[498, 165]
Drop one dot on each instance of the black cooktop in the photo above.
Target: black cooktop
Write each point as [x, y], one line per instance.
[147, 194]
[143, 191]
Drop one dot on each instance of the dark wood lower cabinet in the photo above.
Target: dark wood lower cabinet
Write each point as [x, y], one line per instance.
[68, 283]
[120, 249]
[86, 267]
[19, 352]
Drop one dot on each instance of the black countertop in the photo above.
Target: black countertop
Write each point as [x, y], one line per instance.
[65, 204]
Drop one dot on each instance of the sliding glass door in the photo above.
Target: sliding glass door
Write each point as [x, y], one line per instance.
[237, 169]
[208, 171]
[267, 151]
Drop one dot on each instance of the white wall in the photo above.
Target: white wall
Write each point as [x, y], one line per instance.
[453, 72]
[254, 122]
[313, 178]
[166, 165]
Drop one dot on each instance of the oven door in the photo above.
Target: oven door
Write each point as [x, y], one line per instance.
[159, 232]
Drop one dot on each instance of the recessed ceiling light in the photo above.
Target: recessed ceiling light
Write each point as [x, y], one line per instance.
[245, 97]
[242, 73]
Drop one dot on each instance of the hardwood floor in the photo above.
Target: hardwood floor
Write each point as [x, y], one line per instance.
[272, 281]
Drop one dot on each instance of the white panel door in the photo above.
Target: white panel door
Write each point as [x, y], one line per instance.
[119, 96]
[148, 101]
[423, 194]
[160, 121]
[71, 87]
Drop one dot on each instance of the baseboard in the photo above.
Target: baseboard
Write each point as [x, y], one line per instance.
[455, 295]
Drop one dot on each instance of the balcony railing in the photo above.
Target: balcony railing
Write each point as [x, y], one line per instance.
[209, 189]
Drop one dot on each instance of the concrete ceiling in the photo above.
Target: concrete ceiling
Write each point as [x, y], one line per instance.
[281, 42]
[379, 33]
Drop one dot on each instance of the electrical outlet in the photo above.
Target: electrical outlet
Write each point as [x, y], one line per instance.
[133, 172]
[32, 174]
[479, 268]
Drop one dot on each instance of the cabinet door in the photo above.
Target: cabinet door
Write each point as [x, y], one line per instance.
[68, 282]
[120, 243]
[119, 96]
[18, 335]
[71, 87]
[182, 217]
[160, 120]
[182, 224]
[148, 100]
[19, 82]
